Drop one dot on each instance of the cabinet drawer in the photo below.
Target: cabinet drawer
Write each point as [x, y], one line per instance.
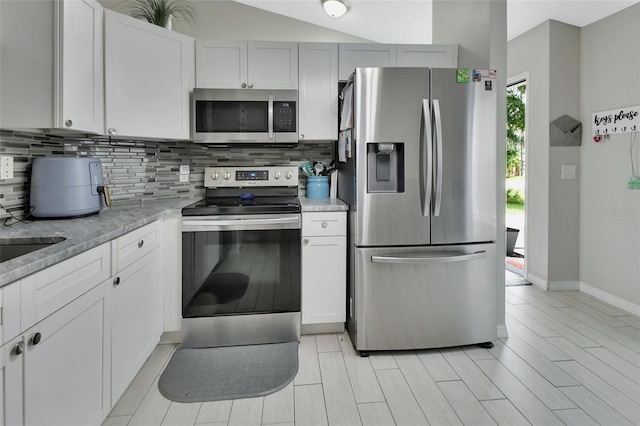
[130, 247]
[324, 224]
[43, 293]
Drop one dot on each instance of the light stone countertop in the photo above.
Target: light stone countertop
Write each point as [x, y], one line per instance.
[81, 234]
[322, 204]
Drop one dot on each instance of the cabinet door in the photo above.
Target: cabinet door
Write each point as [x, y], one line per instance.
[427, 55]
[318, 91]
[352, 56]
[52, 65]
[64, 377]
[221, 64]
[272, 65]
[149, 72]
[81, 91]
[134, 330]
[323, 279]
[11, 389]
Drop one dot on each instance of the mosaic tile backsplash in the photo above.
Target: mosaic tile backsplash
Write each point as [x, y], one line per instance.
[140, 171]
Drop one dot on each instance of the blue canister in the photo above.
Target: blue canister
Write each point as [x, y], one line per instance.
[318, 187]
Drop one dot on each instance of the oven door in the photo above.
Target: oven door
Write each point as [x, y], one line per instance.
[240, 265]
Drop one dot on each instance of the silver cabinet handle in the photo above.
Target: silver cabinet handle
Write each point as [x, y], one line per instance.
[325, 224]
[140, 243]
[19, 348]
[111, 131]
[68, 123]
[116, 281]
[243, 85]
[35, 339]
[250, 85]
[305, 242]
[429, 257]
[301, 136]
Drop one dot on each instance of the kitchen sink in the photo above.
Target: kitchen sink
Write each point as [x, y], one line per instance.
[10, 248]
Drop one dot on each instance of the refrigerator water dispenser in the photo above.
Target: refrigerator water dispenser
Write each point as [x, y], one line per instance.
[385, 167]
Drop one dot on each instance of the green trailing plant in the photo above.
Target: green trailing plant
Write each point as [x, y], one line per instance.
[162, 12]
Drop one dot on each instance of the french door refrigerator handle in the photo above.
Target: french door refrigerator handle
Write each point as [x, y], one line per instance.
[409, 259]
[270, 117]
[438, 183]
[426, 154]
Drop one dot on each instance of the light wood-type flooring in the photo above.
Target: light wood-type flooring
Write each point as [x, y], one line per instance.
[569, 359]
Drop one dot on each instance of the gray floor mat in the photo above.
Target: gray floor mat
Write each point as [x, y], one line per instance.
[233, 372]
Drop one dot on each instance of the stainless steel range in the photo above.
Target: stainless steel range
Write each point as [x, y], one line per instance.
[241, 251]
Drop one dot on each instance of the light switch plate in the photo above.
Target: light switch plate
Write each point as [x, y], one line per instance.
[568, 171]
[6, 167]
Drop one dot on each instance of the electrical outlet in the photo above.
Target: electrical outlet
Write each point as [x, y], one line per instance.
[6, 167]
[184, 169]
[568, 171]
[184, 178]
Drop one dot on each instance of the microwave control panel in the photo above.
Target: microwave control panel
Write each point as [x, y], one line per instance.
[284, 116]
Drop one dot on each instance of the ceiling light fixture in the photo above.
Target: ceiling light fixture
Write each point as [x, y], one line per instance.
[335, 8]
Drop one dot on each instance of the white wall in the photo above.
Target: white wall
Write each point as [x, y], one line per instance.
[564, 194]
[609, 212]
[228, 20]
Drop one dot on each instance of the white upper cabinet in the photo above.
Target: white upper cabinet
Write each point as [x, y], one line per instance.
[427, 55]
[318, 91]
[354, 55]
[52, 65]
[246, 64]
[149, 72]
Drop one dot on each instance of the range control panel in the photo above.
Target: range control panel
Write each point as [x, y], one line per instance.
[235, 177]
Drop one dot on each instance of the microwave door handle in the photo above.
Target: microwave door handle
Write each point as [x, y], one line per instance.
[270, 117]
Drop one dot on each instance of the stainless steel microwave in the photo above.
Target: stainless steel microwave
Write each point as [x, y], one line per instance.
[244, 116]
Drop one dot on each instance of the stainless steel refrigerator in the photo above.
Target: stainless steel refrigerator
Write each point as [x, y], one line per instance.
[421, 186]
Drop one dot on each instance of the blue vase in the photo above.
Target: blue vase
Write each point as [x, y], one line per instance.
[318, 187]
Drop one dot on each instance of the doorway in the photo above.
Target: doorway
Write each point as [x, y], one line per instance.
[516, 181]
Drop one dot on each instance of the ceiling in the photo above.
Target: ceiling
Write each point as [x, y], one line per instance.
[395, 21]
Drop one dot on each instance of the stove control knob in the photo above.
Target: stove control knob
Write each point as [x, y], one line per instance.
[289, 175]
[215, 175]
[227, 175]
[277, 175]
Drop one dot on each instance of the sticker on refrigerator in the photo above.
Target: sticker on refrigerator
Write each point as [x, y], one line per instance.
[477, 75]
[488, 85]
[463, 75]
[492, 74]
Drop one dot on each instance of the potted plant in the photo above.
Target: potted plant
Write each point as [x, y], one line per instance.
[162, 12]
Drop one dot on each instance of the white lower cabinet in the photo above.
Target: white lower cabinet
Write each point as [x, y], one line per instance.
[324, 250]
[134, 334]
[53, 372]
[76, 334]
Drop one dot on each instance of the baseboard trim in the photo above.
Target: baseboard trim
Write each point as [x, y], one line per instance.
[333, 327]
[609, 298]
[563, 285]
[503, 333]
[537, 281]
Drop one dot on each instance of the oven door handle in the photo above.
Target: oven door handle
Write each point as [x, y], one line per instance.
[236, 224]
